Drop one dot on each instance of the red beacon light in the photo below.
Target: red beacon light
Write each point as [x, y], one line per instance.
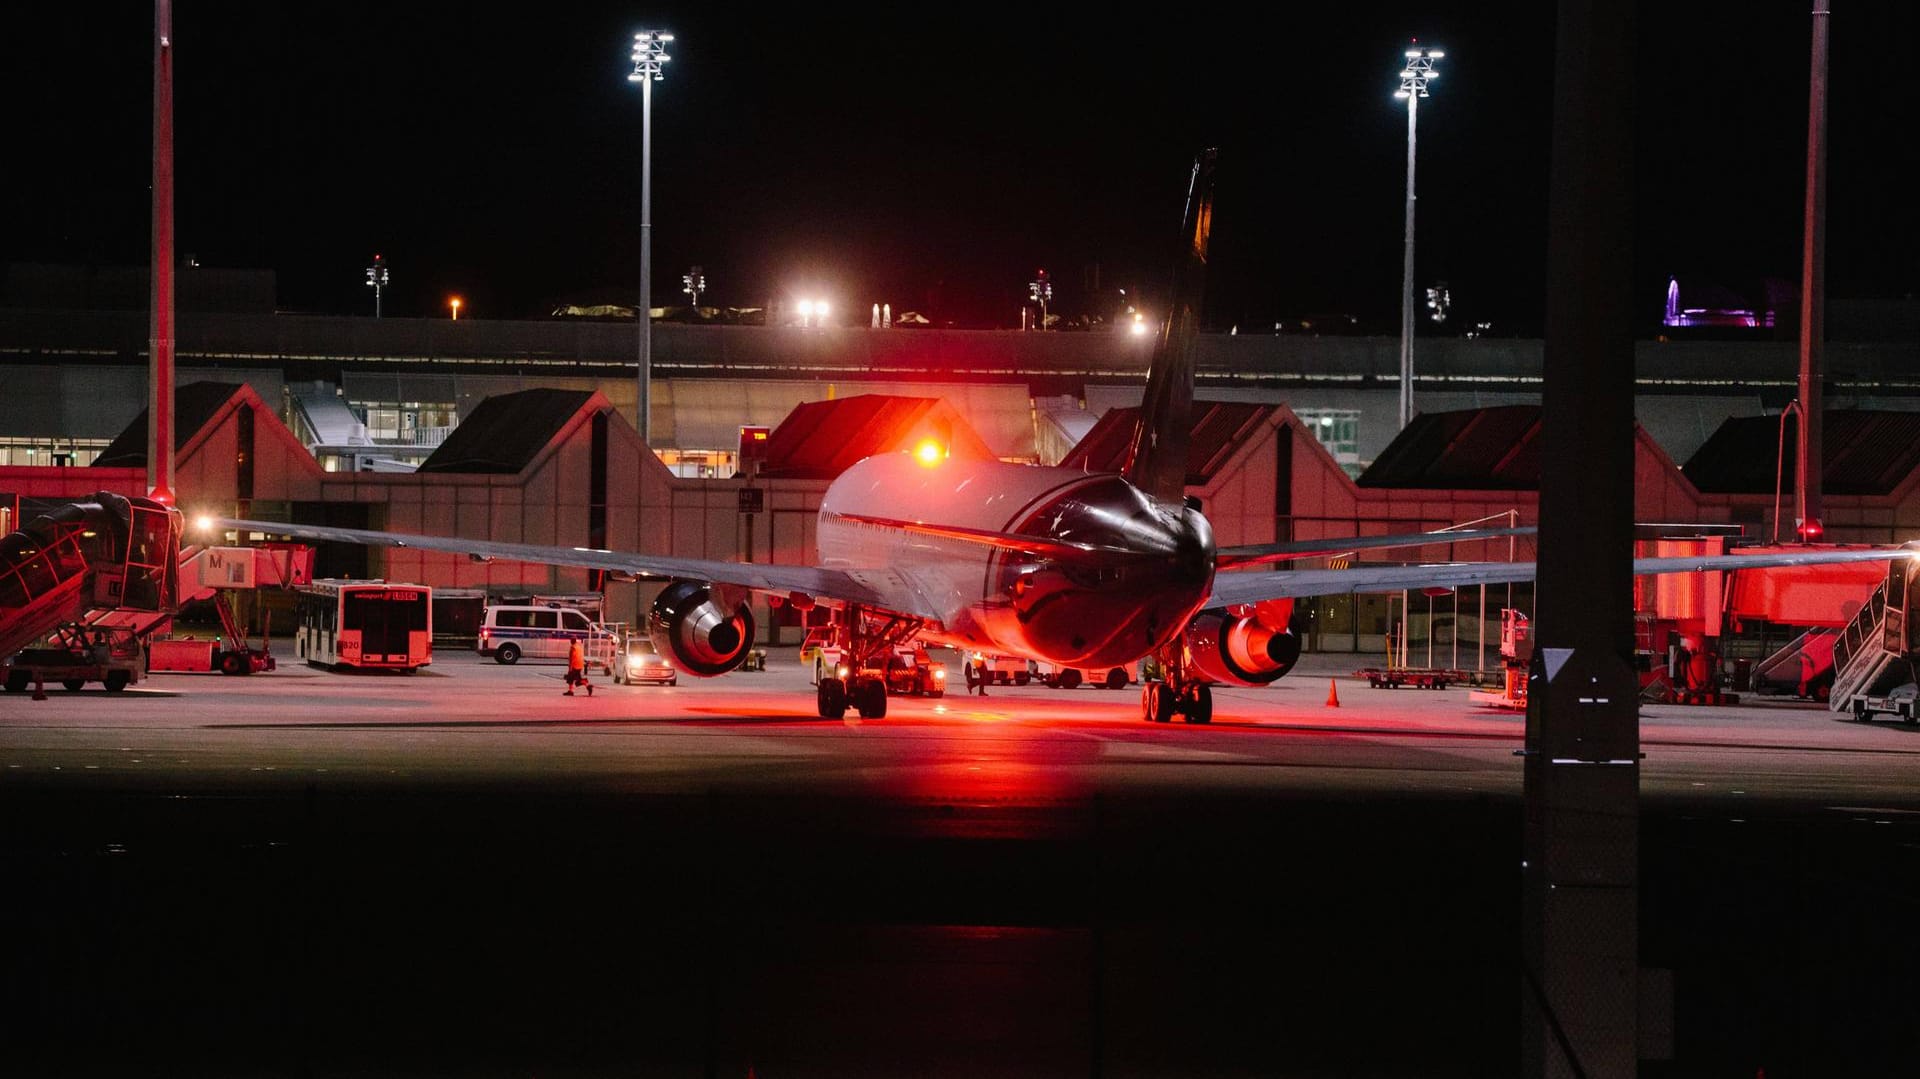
[1811, 530]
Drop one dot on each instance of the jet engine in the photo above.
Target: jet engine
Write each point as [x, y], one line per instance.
[1239, 651]
[696, 630]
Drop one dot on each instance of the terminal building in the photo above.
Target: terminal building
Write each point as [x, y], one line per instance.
[524, 432]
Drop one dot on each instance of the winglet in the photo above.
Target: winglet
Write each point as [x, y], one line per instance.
[1157, 460]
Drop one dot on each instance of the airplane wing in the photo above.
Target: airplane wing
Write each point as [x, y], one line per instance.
[885, 589]
[1232, 589]
[1239, 557]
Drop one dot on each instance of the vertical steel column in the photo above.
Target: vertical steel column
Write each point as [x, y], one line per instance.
[1813, 283]
[643, 402]
[160, 295]
[1580, 873]
[1406, 275]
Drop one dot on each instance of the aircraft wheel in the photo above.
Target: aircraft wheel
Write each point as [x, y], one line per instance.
[831, 696]
[73, 684]
[1116, 679]
[873, 699]
[507, 654]
[1161, 703]
[1198, 705]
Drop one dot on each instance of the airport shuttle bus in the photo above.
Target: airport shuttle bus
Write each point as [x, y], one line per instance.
[371, 625]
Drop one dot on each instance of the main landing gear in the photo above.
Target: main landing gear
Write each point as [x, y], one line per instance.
[1175, 693]
[866, 642]
[867, 695]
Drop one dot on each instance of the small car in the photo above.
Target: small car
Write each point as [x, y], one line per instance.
[643, 663]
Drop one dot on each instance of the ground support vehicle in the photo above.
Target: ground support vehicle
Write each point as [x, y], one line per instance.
[1058, 677]
[1004, 670]
[639, 661]
[367, 625]
[1516, 647]
[74, 655]
[911, 672]
[1416, 677]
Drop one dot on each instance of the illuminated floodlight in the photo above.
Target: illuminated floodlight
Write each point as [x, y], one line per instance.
[929, 452]
[806, 308]
[1418, 72]
[204, 523]
[1139, 327]
[649, 55]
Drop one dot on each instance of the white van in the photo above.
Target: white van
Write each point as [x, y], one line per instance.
[512, 632]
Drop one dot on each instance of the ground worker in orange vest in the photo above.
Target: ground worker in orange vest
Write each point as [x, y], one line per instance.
[577, 669]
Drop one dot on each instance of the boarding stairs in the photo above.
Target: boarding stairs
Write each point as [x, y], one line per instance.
[1873, 659]
[82, 561]
[1802, 667]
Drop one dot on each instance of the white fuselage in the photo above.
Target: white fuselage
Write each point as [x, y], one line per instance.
[1150, 574]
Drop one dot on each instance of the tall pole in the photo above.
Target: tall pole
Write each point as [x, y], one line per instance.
[643, 406]
[1406, 275]
[649, 56]
[160, 299]
[1414, 78]
[1813, 280]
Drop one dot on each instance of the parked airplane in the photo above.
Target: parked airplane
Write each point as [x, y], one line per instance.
[1073, 568]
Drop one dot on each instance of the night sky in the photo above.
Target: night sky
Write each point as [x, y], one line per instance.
[934, 158]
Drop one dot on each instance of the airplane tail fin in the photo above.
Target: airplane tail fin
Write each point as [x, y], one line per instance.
[1157, 460]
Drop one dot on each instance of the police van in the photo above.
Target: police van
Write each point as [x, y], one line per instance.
[513, 632]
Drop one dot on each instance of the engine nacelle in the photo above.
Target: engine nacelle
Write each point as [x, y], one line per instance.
[1239, 651]
[696, 632]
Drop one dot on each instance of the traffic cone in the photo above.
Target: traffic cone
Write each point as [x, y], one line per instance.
[1333, 694]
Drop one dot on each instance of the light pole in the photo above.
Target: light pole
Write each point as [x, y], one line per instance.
[1040, 291]
[1413, 86]
[377, 280]
[649, 56]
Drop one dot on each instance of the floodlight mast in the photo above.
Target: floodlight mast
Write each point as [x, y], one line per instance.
[649, 57]
[1414, 78]
[377, 281]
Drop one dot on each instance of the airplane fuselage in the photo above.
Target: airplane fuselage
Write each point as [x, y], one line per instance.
[1148, 571]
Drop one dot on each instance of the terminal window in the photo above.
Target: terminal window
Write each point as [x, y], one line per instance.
[1338, 429]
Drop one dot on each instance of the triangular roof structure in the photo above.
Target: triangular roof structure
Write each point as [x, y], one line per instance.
[821, 439]
[194, 406]
[1219, 427]
[1863, 452]
[504, 433]
[1481, 449]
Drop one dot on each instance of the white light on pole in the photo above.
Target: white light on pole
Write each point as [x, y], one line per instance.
[649, 57]
[377, 281]
[1414, 78]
